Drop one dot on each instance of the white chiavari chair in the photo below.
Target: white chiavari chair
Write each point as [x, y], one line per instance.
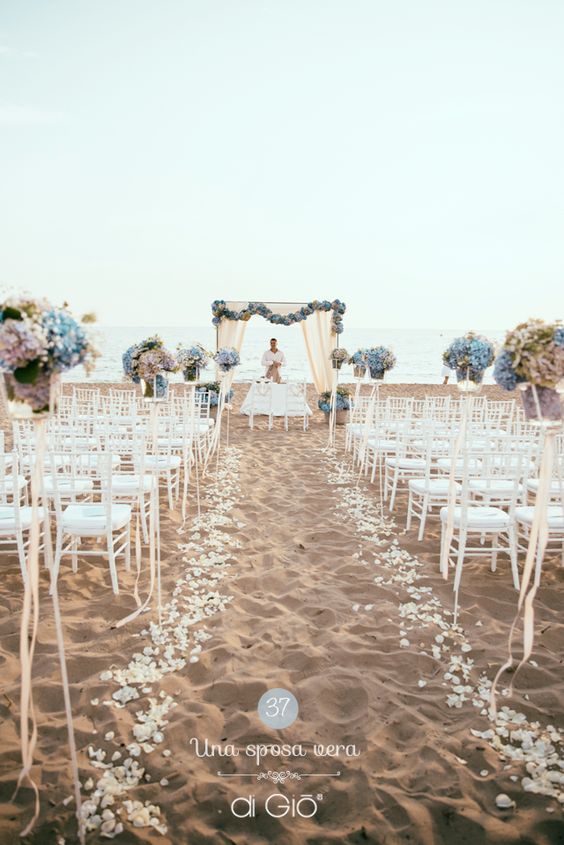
[15, 518]
[80, 522]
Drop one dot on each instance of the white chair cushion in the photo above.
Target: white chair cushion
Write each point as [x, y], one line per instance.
[162, 462]
[434, 486]
[8, 485]
[555, 486]
[89, 520]
[130, 485]
[56, 461]
[8, 519]
[382, 445]
[483, 518]
[66, 486]
[471, 463]
[555, 514]
[493, 485]
[93, 460]
[406, 463]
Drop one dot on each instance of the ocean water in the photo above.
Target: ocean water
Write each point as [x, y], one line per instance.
[418, 351]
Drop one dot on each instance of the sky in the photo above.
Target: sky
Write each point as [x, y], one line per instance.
[406, 157]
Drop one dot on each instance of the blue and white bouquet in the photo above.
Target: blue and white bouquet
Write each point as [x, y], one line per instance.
[226, 358]
[146, 362]
[342, 400]
[469, 355]
[358, 360]
[338, 357]
[38, 342]
[532, 356]
[191, 359]
[379, 359]
[213, 388]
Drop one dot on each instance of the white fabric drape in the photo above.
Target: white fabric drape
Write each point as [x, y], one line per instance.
[320, 340]
[231, 333]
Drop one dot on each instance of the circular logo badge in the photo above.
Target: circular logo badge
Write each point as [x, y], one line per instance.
[278, 708]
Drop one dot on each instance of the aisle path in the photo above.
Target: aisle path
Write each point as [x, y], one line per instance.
[291, 624]
[307, 615]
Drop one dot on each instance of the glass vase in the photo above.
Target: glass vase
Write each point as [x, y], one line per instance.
[191, 373]
[34, 400]
[542, 405]
[469, 381]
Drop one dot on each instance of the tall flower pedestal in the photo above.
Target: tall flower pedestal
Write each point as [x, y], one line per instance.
[37, 401]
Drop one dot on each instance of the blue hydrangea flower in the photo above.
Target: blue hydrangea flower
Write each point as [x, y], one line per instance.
[503, 371]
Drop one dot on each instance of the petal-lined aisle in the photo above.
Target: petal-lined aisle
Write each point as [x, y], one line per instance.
[320, 595]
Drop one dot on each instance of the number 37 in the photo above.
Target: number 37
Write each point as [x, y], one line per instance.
[276, 706]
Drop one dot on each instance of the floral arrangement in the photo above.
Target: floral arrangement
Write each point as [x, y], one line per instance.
[147, 361]
[358, 358]
[379, 359]
[191, 359]
[342, 400]
[192, 356]
[226, 358]
[533, 352]
[469, 356]
[338, 357]
[221, 312]
[213, 388]
[39, 341]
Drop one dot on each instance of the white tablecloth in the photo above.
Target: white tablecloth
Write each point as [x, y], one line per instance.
[260, 394]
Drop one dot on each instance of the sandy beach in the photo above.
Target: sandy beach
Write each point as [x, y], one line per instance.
[313, 595]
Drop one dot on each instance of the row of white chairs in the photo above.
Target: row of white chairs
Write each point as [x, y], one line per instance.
[103, 467]
[475, 467]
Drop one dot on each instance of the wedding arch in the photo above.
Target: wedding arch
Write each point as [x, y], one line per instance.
[321, 322]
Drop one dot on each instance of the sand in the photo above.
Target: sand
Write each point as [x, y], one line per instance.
[302, 612]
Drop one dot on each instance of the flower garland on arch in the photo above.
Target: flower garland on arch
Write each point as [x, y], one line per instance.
[221, 312]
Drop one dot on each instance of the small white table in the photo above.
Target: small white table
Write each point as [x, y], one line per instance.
[276, 400]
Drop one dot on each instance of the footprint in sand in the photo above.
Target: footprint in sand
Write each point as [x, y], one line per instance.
[341, 699]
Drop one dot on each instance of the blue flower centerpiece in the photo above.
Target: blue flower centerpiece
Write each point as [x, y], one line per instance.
[226, 358]
[192, 359]
[358, 361]
[338, 357]
[38, 342]
[532, 358]
[146, 362]
[469, 355]
[379, 359]
[342, 404]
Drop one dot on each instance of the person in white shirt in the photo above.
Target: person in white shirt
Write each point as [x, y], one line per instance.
[273, 359]
[446, 373]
